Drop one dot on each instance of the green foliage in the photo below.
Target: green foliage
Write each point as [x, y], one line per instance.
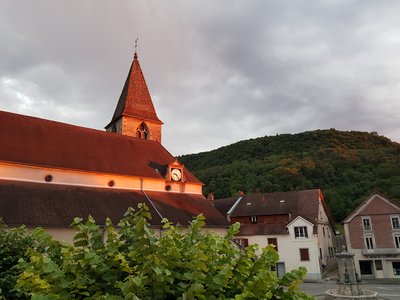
[346, 166]
[136, 263]
[14, 245]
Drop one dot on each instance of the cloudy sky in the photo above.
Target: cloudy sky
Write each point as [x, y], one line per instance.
[218, 71]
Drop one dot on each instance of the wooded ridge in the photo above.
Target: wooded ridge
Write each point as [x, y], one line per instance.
[346, 165]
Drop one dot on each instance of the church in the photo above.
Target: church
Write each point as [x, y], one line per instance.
[52, 172]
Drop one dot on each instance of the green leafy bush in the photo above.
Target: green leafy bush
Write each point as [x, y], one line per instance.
[134, 262]
[14, 243]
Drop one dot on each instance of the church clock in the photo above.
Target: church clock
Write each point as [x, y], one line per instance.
[176, 174]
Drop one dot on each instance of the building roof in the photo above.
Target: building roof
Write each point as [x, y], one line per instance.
[135, 100]
[180, 208]
[224, 205]
[262, 229]
[294, 204]
[45, 143]
[55, 205]
[386, 207]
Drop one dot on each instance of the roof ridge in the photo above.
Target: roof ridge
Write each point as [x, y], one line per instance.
[83, 128]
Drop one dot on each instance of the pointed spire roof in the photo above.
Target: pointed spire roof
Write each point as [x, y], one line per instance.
[135, 100]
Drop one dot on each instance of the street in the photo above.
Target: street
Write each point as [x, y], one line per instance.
[386, 290]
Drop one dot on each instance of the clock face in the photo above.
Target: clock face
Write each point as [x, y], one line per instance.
[176, 174]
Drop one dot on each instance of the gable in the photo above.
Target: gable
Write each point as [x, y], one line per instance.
[378, 205]
[375, 204]
[299, 221]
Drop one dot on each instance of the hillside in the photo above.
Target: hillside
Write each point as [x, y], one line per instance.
[346, 165]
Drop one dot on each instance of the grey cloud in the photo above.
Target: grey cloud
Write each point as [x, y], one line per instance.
[218, 72]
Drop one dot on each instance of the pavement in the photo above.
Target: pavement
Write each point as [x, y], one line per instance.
[387, 289]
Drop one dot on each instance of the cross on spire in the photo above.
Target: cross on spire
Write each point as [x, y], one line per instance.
[136, 45]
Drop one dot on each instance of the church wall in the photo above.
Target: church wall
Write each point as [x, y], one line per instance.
[66, 234]
[11, 171]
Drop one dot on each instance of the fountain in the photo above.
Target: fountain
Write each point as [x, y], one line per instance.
[349, 285]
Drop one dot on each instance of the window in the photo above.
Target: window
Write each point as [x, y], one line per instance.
[242, 242]
[323, 230]
[395, 222]
[366, 267]
[273, 241]
[378, 265]
[142, 132]
[253, 219]
[304, 255]
[366, 224]
[369, 242]
[300, 232]
[320, 253]
[396, 267]
[397, 241]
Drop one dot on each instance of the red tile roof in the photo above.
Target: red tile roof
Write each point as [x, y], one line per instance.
[224, 205]
[40, 142]
[135, 100]
[182, 207]
[46, 204]
[296, 203]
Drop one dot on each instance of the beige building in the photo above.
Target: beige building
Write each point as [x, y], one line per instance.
[372, 234]
[51, 172]
[295, 222]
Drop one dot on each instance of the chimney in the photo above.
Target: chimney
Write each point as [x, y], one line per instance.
[210, 198]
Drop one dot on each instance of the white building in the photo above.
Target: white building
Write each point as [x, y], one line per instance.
[296, 222]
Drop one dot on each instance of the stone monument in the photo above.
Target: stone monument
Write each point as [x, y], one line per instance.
[349, 285]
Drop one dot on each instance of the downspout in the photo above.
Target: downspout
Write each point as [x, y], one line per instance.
[151, 202]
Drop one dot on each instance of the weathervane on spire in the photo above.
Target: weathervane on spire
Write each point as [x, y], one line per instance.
[136, 44]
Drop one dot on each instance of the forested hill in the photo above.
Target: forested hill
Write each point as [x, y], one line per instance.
[346, 165]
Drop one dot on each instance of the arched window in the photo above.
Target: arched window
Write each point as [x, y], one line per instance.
[142, 132]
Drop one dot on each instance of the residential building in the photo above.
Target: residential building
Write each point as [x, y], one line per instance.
[51, 172]
[296, 223]
[372, 234]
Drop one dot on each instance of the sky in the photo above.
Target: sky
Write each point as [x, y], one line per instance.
[218, 71]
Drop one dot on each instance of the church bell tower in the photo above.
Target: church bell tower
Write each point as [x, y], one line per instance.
[135, 115]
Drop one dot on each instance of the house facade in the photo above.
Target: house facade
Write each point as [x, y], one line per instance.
[296, 223]
[51, 172]
[372, 234]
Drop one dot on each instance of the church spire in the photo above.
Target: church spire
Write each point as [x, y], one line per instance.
[135, 114]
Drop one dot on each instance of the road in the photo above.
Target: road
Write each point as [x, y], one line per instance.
[389, 291]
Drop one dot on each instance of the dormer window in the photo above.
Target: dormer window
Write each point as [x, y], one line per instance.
[142, 132]
[300, 232]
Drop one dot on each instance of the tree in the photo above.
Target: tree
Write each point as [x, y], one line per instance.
[136, 263]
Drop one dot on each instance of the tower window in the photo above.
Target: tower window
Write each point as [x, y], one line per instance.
[142, 132]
